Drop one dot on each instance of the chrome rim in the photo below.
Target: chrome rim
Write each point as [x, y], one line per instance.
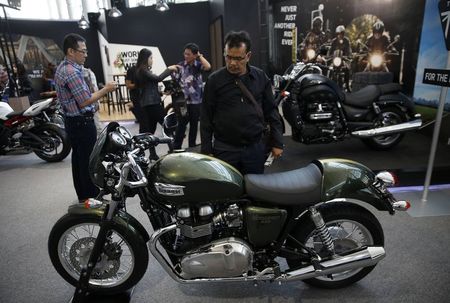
[116, 262]
[347, 235]
[387, 118]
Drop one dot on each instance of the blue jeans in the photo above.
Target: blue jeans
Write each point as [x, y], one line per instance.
[82, 135]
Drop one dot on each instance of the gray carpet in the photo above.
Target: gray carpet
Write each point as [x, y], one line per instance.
[35, 194]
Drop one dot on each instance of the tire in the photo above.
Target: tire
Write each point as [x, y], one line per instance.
[387, 116]
[71, 241]
[349, 216]
[56, 147]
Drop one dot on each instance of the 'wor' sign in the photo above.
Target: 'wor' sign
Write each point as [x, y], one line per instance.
[439, 77]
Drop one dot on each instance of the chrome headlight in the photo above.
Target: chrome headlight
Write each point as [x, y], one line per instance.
[310, 54]
[337, 61]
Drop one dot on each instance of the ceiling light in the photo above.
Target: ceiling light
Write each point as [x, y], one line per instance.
[161, 5]
[83, 23]
[114, 12]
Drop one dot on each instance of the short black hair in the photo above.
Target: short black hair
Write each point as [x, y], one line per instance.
[193, 47]
[235, 39]
[71, 41]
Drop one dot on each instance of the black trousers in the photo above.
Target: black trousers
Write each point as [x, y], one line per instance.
[82, 135]
[151, 116]
[192, 117]
[249, 159]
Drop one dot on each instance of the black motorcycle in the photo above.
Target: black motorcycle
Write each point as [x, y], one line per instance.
[319, 112]
[211, 224]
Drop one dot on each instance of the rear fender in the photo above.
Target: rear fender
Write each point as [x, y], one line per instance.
[122, 218]
[350, 181]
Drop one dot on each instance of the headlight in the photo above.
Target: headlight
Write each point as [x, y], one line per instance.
[310, 54]
[376, 60]
[124, 132]
[337, 61]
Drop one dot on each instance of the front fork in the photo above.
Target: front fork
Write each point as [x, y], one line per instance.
[81, 291]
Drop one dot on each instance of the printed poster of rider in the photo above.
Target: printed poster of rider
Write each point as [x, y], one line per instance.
[379, 36]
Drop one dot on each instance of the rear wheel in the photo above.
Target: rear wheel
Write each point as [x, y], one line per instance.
[56, 145]
[121, 265]
[387, 116]
[351, 227]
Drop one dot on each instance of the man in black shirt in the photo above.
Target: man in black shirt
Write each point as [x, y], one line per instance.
[232, 124]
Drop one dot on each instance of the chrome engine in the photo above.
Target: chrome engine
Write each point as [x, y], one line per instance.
[229, 257]
[205, 257]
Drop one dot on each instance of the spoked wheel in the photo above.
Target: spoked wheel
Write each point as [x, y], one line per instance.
[121, 265]
[351, 227]
[56, 145]
[387, 116]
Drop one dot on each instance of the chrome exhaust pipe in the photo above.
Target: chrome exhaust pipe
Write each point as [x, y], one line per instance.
[368, 256]
[363, 258]
[391, 129]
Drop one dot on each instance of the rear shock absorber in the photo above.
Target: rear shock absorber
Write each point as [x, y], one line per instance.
[322, 230]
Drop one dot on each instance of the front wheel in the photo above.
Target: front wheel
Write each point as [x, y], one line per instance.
[351, 227]
[56, 145]
[387, 116]
[122, 263]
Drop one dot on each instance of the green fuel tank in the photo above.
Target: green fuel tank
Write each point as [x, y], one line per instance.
[191, 178]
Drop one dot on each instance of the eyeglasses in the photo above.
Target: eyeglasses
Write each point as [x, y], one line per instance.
[230, 58]
[83, 51]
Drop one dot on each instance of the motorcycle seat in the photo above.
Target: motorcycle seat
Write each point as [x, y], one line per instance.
[13, 114]
[295, 187]
[370, 93]
[363, 97]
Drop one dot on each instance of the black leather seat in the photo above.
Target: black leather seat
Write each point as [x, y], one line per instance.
[13, 114]
[363, 97]
[295, 187]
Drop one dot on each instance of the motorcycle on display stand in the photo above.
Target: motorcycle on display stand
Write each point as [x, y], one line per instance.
[34, 130]
[212, 224]
[320, 112]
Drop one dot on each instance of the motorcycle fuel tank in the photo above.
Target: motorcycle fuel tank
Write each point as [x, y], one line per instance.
[192, 178]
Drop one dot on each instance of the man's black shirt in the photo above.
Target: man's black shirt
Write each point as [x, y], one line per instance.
[233, 119]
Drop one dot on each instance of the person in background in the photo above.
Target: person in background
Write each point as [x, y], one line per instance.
[150, 98]
[238, 104]
[49, 77]
[78, 105]
[91, 81]
[190, 79]
[4, 85]
[130, 82]
[22, 80]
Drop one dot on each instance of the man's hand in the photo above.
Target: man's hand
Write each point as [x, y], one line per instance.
[110, 86]
[276, 152]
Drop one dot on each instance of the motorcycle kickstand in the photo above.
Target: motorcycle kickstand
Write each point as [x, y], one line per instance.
[81, 291]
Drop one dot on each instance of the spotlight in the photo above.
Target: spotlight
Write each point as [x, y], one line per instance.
[161, 5]
[83, 23]
[114, 12]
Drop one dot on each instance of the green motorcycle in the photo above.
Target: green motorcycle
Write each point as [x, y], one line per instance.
[212, 224]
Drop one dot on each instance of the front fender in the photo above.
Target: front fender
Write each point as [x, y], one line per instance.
[347, 179]
[122, 218]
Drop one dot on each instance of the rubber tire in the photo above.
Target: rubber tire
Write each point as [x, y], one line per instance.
[374, 144]
[61, 133]
[136, 243]
[339, 211]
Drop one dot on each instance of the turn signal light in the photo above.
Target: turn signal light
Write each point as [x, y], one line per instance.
[390, 179]
[401, 205]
